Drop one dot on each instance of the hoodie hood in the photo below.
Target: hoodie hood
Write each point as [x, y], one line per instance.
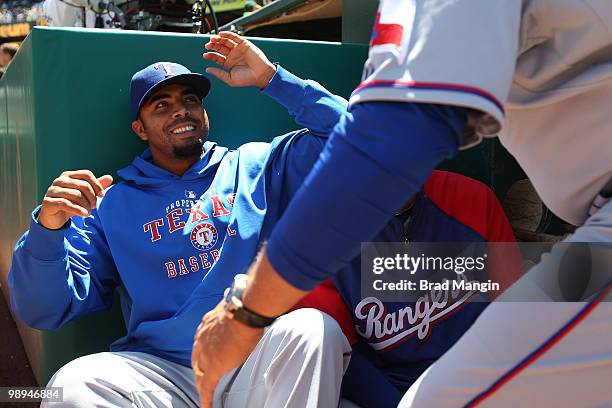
[143, 172]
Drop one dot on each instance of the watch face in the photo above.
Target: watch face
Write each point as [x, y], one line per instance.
[230, 293]
[233, 300]
[240, 280]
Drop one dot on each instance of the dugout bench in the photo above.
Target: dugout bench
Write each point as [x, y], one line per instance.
[64, 104]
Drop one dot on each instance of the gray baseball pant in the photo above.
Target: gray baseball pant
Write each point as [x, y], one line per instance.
[542, 352]
[299, 362]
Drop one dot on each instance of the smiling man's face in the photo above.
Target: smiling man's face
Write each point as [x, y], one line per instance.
[174, 123]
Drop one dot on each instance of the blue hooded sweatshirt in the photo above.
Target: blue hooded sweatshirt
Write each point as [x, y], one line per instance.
[169, 244]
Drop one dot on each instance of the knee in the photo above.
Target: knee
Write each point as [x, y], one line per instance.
[304, 344]
[73, 378]
[314, 328]
[73, 373]
[86, 380]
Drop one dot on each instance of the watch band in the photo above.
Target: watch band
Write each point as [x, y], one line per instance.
[238, 311]
[248, 317]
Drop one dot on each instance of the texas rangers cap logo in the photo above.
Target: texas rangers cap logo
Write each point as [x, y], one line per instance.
[204, 236]
[167, 67]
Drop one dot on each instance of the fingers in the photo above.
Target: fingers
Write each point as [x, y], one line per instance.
[73, 195]
[197, 334]
[199, 384]
[87, 176]
[195, 351]
[206, 387]
[202, 378]
[225, 40]
[198, 381]
[78, 191]
[59, 204]
[232, 36]
[106, 181]
[220, 74]
[214, 57]
[221, 49]
[220, 45]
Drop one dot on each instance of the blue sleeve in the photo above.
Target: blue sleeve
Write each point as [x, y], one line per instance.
[311, 105]
[303, 152]
[378, 156]
[57, 275]
[365, 385]
[314, 108]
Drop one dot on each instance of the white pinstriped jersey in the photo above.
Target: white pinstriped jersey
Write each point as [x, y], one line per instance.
[536, 72]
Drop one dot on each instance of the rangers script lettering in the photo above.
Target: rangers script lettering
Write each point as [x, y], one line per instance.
[382, 329]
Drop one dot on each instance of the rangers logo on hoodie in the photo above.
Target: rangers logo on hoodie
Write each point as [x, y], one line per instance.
[204, 236]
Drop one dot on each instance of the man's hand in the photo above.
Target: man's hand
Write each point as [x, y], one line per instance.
[72, 193]
[243, 63]
[220, 344]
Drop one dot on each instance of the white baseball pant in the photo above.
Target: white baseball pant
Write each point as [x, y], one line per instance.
[542, 352]
[299, 362]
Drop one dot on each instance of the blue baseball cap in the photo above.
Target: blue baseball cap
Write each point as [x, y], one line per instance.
[148, 79]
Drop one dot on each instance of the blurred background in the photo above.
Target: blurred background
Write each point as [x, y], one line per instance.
[296, 19]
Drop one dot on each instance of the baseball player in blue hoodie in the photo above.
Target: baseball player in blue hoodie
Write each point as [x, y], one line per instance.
[188, 216]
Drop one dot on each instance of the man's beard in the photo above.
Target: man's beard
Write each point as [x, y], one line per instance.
[189, 151]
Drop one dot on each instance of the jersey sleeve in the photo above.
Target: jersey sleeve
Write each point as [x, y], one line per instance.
[460, 52]
[312, 107]
[57, 275]
[311, 104]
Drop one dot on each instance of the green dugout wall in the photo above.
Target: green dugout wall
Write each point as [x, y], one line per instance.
[64, 104]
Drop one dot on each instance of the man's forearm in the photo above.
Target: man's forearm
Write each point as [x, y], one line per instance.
[267, 292]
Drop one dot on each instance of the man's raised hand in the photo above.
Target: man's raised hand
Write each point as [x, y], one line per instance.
[243, 63]
[72, 193]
